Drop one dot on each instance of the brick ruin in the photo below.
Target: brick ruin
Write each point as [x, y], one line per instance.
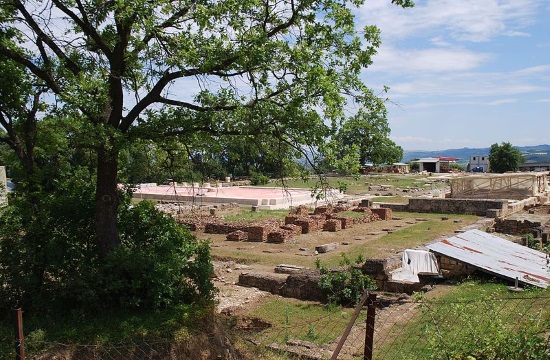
[299, 221]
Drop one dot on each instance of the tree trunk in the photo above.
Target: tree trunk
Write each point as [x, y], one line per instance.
[107, 202]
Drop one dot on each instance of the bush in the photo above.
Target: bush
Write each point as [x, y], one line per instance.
[49, 262]
[258, 178]
[158, 263]
[47, 247]
[478, 330]
[345, 286]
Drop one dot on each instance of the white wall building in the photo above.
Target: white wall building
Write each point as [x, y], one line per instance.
[479, 161]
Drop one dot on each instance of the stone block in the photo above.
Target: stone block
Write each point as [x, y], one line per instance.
[366, 203]
[296, 229]
[326, 248]
[326, 209]
[238, 235]
[332, 225]
[279, 236]
[257, 233]
[383, 213]
[266, 282]
[308, 225]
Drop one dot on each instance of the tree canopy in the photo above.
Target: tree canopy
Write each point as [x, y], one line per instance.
[167, 87]
[504, 157]
[126, 70]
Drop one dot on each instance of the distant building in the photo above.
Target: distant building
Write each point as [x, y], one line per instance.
[535, 166]
[435, 164]
[478, 163]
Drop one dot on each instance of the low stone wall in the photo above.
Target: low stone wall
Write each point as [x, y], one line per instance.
[451, 268]
[302, 285]
[516, 227]
[457, 206]
[394, 206]
[379, 269]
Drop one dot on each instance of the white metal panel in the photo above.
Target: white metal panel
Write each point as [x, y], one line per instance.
[498, 256]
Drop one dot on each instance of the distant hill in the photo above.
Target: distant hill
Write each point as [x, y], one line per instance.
[537, 153]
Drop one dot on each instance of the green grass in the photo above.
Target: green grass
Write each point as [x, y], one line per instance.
[246, 214]
[476, 315]
[292, 319]
[415, 235]
[357, 184]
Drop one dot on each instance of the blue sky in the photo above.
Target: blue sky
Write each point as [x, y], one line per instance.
[467, 73]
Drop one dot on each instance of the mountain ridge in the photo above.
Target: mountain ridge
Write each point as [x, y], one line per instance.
[534, 153]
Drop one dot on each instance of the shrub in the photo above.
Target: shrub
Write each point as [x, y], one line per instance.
[346, 285]
[158, 263]
[49, 262]
[258, 178]
[477, 330]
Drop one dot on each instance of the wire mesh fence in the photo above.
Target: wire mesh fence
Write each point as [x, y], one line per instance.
[488, 327]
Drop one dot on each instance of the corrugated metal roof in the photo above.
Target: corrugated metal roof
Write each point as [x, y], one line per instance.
[497, 256]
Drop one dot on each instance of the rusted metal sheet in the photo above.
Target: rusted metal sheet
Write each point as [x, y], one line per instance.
[497, 256]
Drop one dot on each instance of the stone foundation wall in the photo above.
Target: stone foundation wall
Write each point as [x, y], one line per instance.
[451, 268]
[379, 269]
[301, 285]
[516, 227]
[457, 206]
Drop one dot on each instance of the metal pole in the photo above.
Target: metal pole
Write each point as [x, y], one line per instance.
[19, 338]
[369, 334]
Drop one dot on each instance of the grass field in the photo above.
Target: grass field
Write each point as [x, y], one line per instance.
[360, 184]
[478, 316]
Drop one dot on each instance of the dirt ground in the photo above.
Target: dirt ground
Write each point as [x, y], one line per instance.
[234, 258]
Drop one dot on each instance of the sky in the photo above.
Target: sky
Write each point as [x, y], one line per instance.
[466, 73]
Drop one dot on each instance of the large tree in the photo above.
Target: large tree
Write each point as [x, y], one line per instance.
[504, 157]
[131, 69]
[369, 131]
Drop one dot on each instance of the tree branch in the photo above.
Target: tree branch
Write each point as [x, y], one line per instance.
[72, 66]
[41, 74]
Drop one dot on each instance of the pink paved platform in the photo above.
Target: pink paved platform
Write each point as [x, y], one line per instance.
[264, 198]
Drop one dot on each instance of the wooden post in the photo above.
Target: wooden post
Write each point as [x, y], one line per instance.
[19, 338]
[369, 334]
[350, 325]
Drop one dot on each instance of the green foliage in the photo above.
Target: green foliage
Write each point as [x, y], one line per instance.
[534, 244]
[347, 284]
[47, 247]
[504, 157]
[258, 179]
[342, 187]
[367, 133]
[50, 262]
[158, 263]
[478, 330]
[456, 166]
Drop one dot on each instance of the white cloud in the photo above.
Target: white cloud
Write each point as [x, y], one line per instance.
[473, 21]
[412, 61]
[501, 102]
[471, 84]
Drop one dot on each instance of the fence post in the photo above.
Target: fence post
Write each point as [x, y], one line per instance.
[350, 325]
[19, 338]
[369, 334]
